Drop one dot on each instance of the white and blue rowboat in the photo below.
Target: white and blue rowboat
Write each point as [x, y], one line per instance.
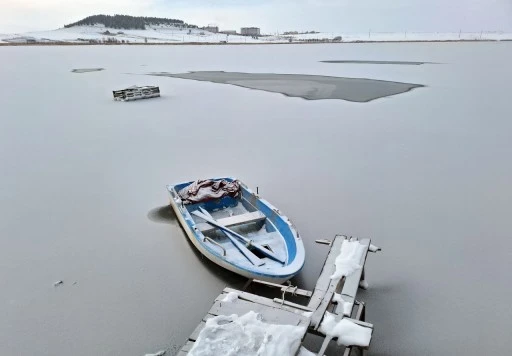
[244, 234]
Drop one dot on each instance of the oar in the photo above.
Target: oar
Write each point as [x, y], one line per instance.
[255, 260]
[248, 242]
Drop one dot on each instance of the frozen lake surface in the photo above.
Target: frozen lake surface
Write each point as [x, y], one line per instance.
[426, 174]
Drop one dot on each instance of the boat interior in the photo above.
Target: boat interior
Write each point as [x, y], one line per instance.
[240, 216]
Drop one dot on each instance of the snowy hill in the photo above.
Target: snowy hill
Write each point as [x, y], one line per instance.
[128, 22]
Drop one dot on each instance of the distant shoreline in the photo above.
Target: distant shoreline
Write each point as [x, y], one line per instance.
[238, 43]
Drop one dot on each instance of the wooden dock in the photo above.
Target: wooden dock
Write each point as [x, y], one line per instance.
[320, 300]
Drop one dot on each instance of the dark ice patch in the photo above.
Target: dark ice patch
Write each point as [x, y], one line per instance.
[377, 62]
[310, 87]
[86, 70]
[162, 214]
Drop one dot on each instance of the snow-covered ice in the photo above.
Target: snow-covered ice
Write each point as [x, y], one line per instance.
[347, 332]
[349, 259]
[246, 335]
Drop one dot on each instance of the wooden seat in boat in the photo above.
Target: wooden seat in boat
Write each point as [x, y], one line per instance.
[234, 220]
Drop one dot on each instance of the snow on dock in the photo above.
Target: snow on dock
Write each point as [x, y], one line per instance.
[243, 323]
[247, 335]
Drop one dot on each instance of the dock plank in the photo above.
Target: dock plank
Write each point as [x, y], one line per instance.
[325, 286]
[197, 330]
[263, 301]
[351, 284]
[324, 280]
[352, 281]
[319, 313]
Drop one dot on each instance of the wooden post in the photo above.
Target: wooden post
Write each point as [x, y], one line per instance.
[246, 285]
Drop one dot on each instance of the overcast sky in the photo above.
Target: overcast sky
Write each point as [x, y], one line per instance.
[274, 15]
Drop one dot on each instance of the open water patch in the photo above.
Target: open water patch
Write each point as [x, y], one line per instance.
[163, 215]
[309, 87]
[352, 61]
[86, 70]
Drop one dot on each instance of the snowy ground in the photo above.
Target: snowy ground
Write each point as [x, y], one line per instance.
[426, 174]
[169, 34]
[153, 34]
[405, 36]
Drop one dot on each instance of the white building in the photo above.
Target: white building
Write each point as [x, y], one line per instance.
[250, 31]
[209, 28]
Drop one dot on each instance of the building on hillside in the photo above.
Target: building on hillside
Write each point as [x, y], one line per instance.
[250, 31]
[229, 32]
[213, 29]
